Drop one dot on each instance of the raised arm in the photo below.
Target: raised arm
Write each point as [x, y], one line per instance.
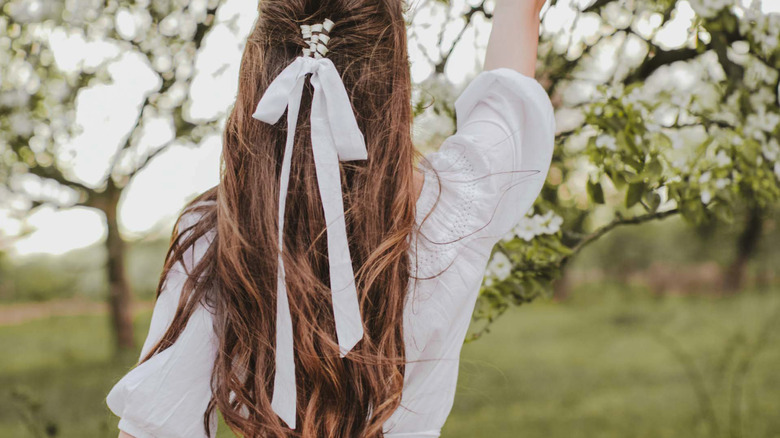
[515, 36]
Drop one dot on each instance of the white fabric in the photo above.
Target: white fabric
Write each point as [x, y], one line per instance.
[335, 136]
[489, 173]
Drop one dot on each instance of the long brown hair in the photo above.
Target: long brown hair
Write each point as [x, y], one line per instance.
[349, 397]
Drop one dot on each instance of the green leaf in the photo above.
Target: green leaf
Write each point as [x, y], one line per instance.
[652, 201]
[617, 178]
[654, 168]
[730, 23]
[634, 193]
[723, 211]
[595, 192]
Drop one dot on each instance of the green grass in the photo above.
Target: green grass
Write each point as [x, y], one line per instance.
[605, 364]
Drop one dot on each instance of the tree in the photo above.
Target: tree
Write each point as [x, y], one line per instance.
[635, 143]
[39, 100]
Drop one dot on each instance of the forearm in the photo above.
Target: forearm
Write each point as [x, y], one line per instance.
[515, 36]
[123, 434]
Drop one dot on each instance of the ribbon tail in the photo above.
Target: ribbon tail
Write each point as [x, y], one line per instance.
[346, 307]
[284, 397]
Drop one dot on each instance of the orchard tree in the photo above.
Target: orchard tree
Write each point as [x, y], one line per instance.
[664, 107]
[39, 100]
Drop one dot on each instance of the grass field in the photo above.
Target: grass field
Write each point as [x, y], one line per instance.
[603, 364]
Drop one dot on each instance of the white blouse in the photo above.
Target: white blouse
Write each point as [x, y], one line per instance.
[477, 186]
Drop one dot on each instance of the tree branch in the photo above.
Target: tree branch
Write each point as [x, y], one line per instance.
[597, 5]
[659, 59]
[181, 130]
[594, 236]
[53, 173]
[439, 67]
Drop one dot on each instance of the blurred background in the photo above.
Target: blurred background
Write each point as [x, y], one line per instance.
[639, 298]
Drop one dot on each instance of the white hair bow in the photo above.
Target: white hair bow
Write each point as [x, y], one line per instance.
[335, 136]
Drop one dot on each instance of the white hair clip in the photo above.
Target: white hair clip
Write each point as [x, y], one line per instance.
[328, 25]
[322, 49]
[317, 41]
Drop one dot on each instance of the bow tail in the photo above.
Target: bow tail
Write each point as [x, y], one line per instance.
[346, 308]
[283, 400]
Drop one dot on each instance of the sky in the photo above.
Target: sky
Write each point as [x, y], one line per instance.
[155, 196]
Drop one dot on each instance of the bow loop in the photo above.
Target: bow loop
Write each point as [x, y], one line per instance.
[276, 98]
[344, 128]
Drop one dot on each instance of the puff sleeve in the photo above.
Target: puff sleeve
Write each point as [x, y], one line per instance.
[485, 177]
[477, 186]
[167, 395]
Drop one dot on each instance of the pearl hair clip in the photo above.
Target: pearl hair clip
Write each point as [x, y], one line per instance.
[317, 38]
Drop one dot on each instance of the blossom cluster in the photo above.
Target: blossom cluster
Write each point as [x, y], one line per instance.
[763, 29]
[498, 269]
[536, 225]
[710, 8]
[500, 266]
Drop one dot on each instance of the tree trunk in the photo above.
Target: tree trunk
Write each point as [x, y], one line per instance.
[119, 298]
[746, 246]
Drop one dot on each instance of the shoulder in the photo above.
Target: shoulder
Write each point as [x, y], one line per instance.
[193, 213]
[187, 224]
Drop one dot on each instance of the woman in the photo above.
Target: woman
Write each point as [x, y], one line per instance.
[343, 315]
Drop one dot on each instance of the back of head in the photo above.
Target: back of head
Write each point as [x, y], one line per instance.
[336, 397]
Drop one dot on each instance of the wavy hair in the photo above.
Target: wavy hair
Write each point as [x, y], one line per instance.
[349, 397]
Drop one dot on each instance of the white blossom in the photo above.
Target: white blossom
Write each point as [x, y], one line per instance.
[760, 122]
[682, 165]
[498, 269]
[763, 28]
[771, 150]
[14, 98]
[530, 227]
[606, 141]
[706, 197]
[21, 124]
[721, 183]
[634, 97]
[653, 127]
[677, 139]
[722, 159]
[680, 101]
[705, 178]
[709, 8]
